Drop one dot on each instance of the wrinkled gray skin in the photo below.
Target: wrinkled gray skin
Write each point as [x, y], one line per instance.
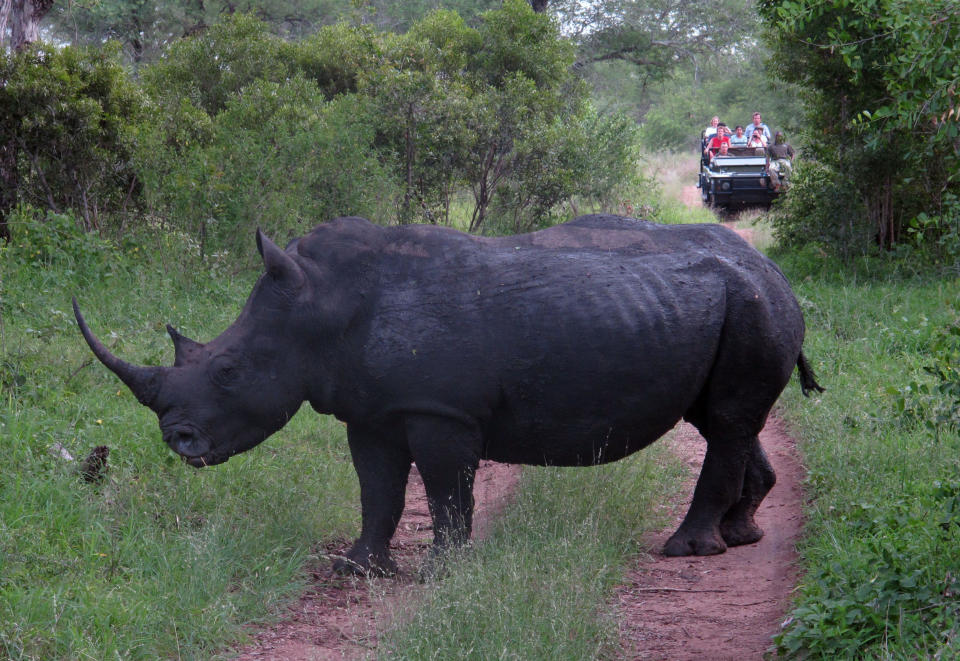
[572, 346]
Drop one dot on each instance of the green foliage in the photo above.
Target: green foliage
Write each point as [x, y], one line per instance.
[935, 405]
[591, 159]
[820, 210]
[213, 67]
[656, 36]
[886, 592]
[51, 240]
[66, 115]
[401, 17]
[239, 128]
[279, 157]
[144, 29]
[517, 40]
[938, 234]
[880, 550]
[157, 560]
[880, 81]
[337, 56]
[732, 89]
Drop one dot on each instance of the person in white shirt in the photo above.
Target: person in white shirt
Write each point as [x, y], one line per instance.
[758, 123]
[757, 138]
[739, 138]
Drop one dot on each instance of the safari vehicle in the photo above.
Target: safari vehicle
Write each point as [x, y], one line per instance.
[736, 181]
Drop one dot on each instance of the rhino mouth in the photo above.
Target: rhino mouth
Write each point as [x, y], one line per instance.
[193, 447]
[203, 460]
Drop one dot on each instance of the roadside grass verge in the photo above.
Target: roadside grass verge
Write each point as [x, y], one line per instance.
[157, 560]
[539, 586]
[881, 553]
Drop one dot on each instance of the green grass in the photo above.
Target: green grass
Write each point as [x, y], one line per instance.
[880, 571]
[540, 586]
[158, 560]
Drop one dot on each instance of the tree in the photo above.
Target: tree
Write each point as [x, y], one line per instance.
[881, 80]
[144, 28]
[656, 35]
[69, 113]
[22, 17]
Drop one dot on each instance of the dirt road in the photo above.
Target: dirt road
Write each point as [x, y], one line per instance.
[724, 606]
[339, 617]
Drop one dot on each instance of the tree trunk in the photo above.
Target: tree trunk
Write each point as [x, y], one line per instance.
[24, 19]
[879, 203]
[539, 6]
[8, 185]
[5, 7]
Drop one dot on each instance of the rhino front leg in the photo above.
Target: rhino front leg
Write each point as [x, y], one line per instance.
[718, 489]
[447, 453]
[382, 462]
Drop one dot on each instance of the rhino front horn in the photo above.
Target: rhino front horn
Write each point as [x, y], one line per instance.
[144, 382]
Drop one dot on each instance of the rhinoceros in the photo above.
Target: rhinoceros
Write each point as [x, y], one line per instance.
[570, 346]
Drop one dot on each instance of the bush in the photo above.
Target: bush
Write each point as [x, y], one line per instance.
[280, 157]
[820, 210]
[67, 117]
[213, 67]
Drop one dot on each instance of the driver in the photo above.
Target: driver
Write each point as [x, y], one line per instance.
[724, 150]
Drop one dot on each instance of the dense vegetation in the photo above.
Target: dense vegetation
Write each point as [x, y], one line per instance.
[132, 174]
[235, 127]
[882, 450]
[882, 121]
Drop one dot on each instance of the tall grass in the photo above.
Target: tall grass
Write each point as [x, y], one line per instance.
[158, 559]
[881, 554]
[538, 587]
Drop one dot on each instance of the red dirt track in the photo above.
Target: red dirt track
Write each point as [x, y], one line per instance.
[339, 617]
[721, 607]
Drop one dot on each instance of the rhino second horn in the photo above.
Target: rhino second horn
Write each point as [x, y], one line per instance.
[185, 350]
[144, 382]
[280, 266]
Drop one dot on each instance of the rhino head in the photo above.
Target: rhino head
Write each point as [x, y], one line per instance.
[226, 396]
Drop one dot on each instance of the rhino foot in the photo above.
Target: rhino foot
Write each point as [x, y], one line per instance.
[359, 562]
[736, 533]
[682, 543]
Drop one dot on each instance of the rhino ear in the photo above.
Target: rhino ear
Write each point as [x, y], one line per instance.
[280, 266]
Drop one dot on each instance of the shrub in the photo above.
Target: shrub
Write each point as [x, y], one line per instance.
[279, 157]
[820, 210]
[67, 117]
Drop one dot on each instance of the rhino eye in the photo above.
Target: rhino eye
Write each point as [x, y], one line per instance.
[223, 371]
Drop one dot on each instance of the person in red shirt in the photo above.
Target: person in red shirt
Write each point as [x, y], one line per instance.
[713, 146]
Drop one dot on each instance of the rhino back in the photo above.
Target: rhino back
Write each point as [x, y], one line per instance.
[554, 352]
[582, 342]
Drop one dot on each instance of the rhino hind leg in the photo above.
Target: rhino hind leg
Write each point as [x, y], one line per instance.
[718, 489]
[738, 525]
[382, 463]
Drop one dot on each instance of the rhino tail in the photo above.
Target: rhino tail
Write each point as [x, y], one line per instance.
[808, 380]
